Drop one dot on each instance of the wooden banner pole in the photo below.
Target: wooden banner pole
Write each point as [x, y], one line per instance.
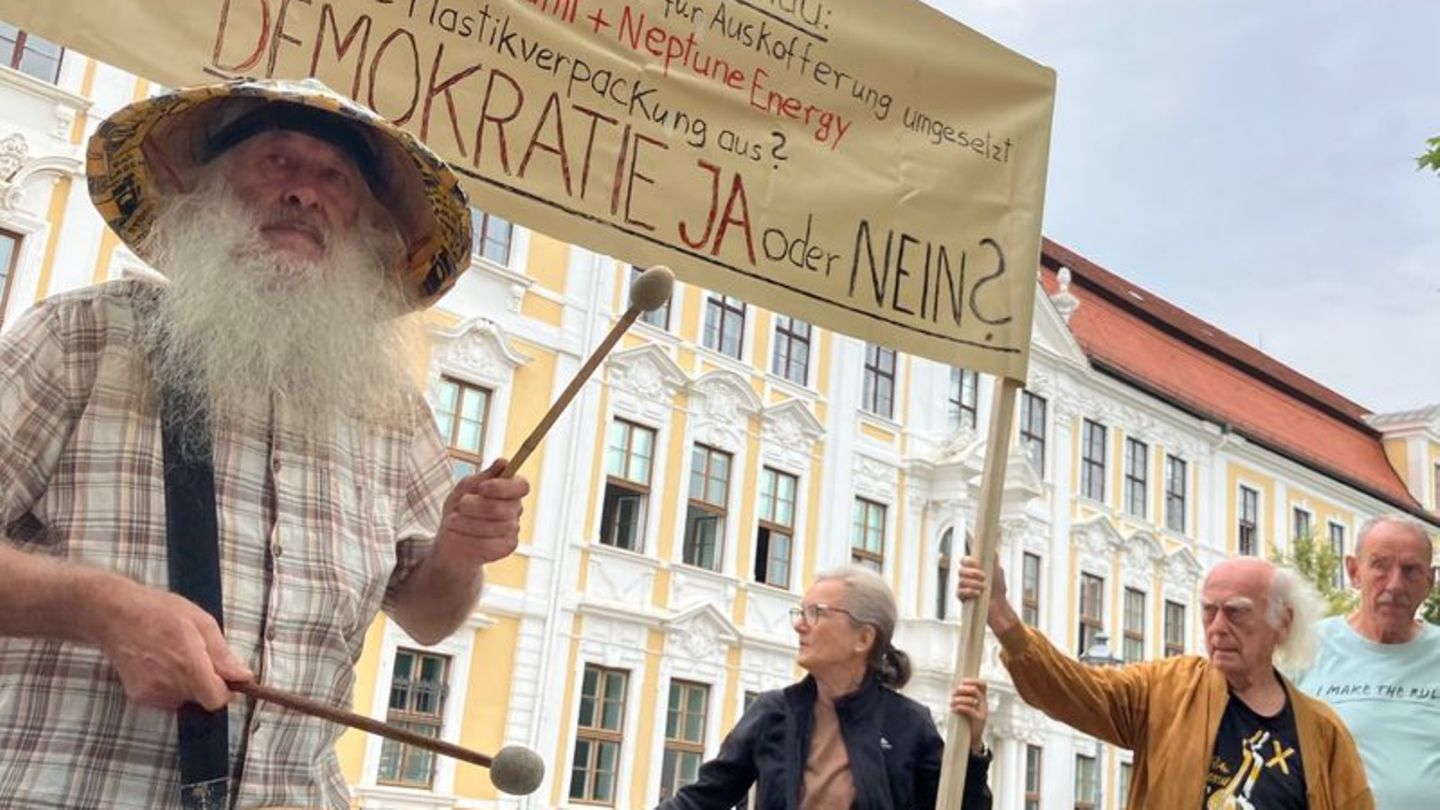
[971, 645]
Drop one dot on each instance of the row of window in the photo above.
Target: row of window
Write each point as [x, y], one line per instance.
[29, 54]
[622, 519]
[1093, 457]
[419, 689]
[630, 448]
[1029, 582]
[420, 685]
[1302, 526]
[595, 763]
[462, 410]
[1132, 647]
[1093, 479]
[1135, 500]
[724, 332]
[629, 464]
[1087, 779]
[594, 767]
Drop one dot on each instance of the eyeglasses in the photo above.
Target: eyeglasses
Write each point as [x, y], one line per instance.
[810, 614]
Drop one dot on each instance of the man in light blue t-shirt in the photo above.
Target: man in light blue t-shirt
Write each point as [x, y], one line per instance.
[1380, 667]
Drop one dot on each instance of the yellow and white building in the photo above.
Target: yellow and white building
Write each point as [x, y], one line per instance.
[725, 453]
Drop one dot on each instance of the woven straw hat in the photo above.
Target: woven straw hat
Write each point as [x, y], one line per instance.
[136, 157]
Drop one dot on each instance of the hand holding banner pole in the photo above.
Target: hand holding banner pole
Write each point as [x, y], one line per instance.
[971, 645]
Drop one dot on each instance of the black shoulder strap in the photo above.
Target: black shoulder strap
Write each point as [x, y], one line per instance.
[192, 538]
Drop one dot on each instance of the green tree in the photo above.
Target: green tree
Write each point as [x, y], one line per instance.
[1431, 609]
[1431, 158]
[1318, 564]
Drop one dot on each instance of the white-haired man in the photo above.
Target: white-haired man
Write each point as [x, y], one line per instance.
[1380, 666]
[1216, 732]
[245, 439]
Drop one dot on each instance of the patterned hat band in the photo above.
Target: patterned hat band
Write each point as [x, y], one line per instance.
[137, 156]
[282, 115]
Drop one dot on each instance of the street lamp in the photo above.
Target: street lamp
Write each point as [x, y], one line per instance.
[1099, 654]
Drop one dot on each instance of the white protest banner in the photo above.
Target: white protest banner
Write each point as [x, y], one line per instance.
[870, 166]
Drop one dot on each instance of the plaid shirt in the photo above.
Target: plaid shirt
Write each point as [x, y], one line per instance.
[315, 533]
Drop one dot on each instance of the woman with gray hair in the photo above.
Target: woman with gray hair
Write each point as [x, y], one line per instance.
[842, 738]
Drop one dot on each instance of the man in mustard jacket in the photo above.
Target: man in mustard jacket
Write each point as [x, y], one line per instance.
[1221, 732]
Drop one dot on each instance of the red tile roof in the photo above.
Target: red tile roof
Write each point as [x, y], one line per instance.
[1133, 334]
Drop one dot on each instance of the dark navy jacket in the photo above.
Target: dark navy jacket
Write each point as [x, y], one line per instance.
[895, 754]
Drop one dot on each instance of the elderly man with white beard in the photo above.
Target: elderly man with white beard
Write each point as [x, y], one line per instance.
[252, 426]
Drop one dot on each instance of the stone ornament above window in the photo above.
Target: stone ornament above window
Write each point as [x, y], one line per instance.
[479, 349]
[644, 381]
[14, 151]
[702, 634]
[874, 478]
[723, 402]
[789, 432]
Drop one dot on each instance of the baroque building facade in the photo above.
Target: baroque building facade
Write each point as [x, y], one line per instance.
[725, 454]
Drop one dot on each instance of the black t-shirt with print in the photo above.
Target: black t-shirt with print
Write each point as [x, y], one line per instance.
[1256, 761]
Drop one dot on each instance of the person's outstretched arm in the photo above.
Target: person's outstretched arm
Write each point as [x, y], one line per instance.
[1108, 703]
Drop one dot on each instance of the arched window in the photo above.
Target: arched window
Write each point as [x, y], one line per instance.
[942, 576]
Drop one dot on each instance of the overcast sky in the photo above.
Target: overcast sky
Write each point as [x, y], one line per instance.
[1254, 163]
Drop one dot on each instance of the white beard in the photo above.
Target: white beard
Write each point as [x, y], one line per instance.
[241, 324]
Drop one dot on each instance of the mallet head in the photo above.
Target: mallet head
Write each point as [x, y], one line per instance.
[517, 770]
[651, 289]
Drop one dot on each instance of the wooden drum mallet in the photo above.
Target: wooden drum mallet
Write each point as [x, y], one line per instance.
[650, 290]
[514, 769]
